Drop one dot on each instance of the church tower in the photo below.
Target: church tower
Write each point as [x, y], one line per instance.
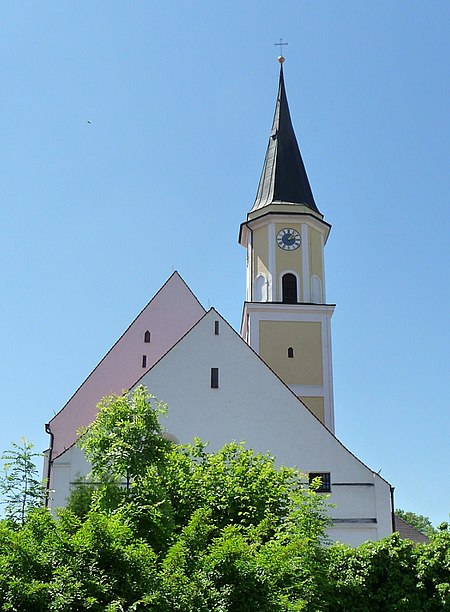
[286, 319]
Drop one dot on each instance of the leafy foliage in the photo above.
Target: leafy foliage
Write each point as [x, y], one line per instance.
[392, 574]
[126, 437]
[173, 528]
[20, 484]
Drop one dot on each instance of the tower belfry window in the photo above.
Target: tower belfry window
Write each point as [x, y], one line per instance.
[290, 352]
[147, 336]
[289, 288]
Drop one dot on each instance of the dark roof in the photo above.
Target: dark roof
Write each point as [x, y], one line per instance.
[283, 177]
[408, 532]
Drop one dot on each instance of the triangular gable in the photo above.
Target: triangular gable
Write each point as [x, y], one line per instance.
[168, 316]
[252, 403]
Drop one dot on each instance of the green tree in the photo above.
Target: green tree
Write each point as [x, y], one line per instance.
[433, 569]
[20, 484]
[197, 531]
[223, 525]
[126, 437]
[419, 522]
[391, 574]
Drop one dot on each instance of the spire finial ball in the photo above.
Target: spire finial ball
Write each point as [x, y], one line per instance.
[281, 59]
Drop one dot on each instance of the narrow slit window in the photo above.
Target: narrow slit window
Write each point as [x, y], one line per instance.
[147, 336]
[214, 378]
[216, 328]
[290, 352]
[144, 361]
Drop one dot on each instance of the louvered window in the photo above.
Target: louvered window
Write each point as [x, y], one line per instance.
[289, 287]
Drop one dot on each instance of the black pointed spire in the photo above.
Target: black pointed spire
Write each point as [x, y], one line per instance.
[283, 177]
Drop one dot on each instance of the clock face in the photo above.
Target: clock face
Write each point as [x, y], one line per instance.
[288, 239]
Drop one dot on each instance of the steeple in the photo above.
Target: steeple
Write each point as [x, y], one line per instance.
[286, 318]
[283, 177]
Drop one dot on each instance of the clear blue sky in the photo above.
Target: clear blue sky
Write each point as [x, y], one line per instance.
[180, 98]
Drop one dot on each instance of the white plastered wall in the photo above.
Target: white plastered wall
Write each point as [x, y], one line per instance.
[66, 470]
[252, 404]
[254, 313]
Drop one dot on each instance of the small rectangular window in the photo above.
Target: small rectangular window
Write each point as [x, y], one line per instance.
[144, 361]
[214, 378]
[325, 478]
[216, 328]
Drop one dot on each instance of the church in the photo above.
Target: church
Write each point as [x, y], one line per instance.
[271, 384]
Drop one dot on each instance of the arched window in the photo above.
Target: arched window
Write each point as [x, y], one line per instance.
[261, 289]
[147, 336]
[290, 352]
[316, 290]
[289, 288]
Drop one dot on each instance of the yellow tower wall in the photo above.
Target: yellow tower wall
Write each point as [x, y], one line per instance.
[260, 252]
[316, 405]
[315, 253]
[305, 368]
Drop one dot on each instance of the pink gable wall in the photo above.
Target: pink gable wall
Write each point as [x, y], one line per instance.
[168, 316]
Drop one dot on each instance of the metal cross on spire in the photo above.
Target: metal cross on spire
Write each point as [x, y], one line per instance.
[281, 44]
